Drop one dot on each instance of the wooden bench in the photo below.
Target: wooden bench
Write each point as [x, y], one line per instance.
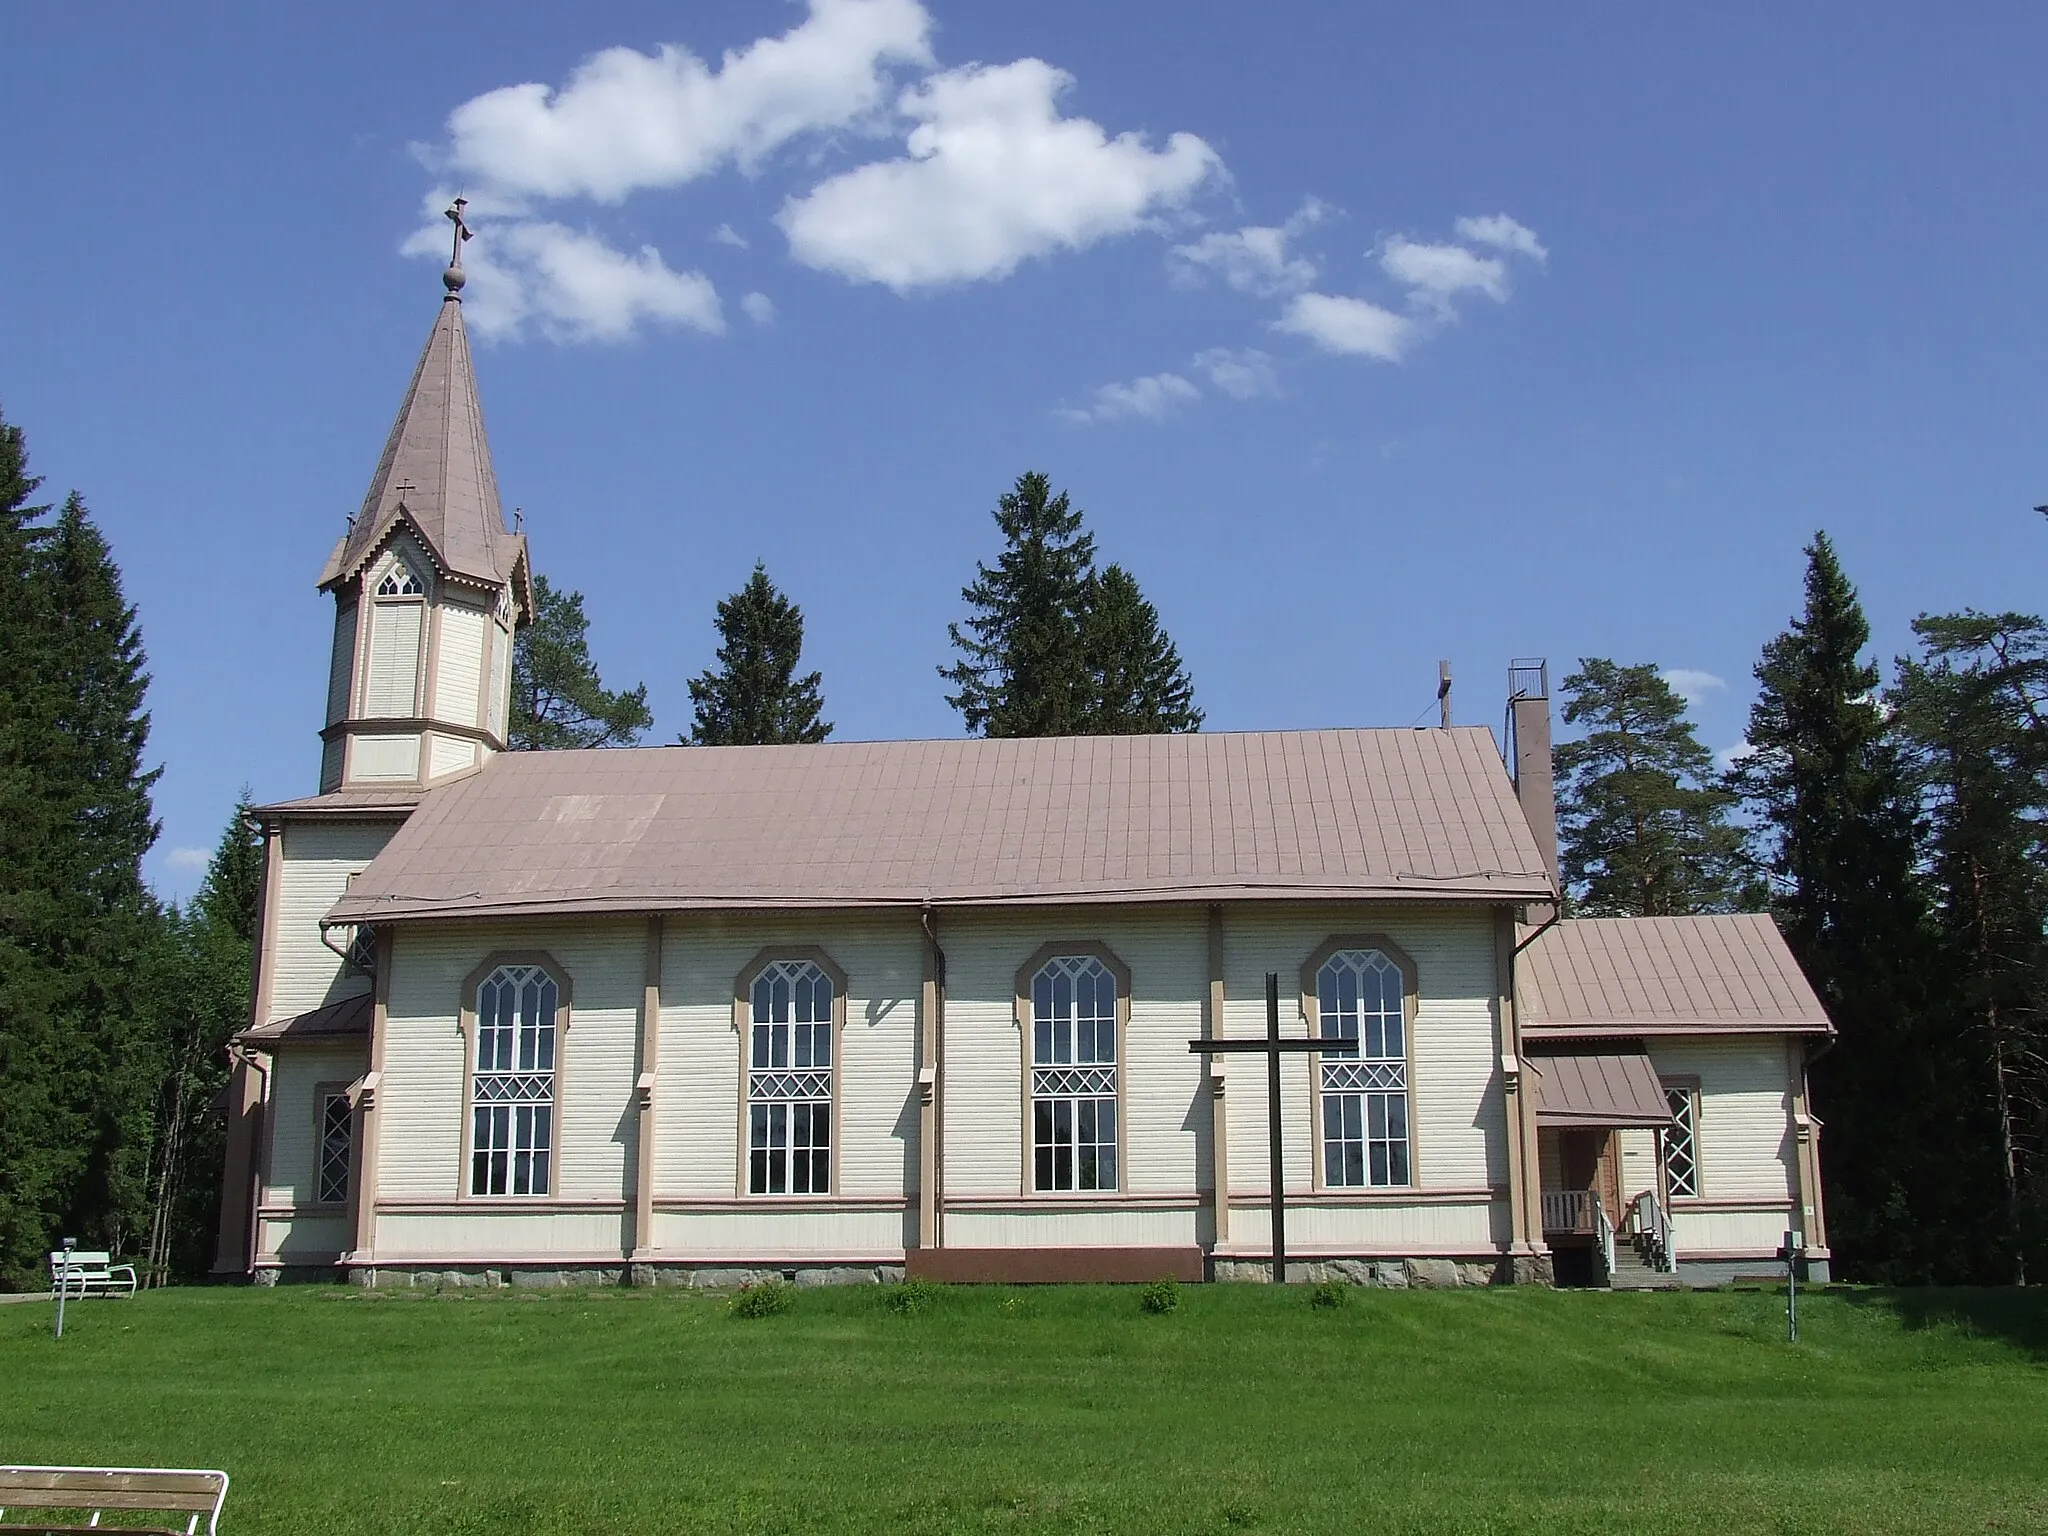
[91, 1274]
[97, 1491]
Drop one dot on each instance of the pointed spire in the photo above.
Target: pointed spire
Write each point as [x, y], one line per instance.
[436, 470]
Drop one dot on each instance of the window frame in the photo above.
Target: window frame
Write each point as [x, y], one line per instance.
[1689, 1086]
[1026, 1021]
[323, 1092]
[1311, 1012]
[743, 1023]
[467, 1024]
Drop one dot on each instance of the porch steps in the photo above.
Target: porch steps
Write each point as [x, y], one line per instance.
[1633, 1273]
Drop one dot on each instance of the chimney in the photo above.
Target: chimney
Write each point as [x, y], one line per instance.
[1529, 752]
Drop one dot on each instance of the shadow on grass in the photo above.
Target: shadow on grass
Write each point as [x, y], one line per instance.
[2017, 1315]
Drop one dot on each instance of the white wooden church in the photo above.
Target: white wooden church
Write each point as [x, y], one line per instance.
[838, 1012]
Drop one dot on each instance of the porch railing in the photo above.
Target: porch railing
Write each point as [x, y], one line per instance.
[1570, 1210]
[1650, 1222]
[1606, 1236]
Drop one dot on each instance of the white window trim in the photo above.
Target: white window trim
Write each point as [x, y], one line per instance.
[1027, 1027]
[743, 1026]
[1320, 1074]
[471, 988]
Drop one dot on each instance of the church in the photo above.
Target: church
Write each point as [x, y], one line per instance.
[845, 1012]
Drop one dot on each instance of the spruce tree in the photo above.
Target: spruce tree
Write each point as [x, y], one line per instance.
[755, 698]
[1136, 676]
[1642, 820]
[1972, 706]
[1826, 785]
[558, 699]
[1023, 667]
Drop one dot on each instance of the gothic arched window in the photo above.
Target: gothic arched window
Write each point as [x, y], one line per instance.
[1077, 996]
[793, 1004]
[1362, 990]
[516, 1012]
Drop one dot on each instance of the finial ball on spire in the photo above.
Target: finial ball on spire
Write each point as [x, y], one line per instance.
[453, 278]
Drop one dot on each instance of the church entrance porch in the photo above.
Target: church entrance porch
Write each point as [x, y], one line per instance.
[1601, 1153]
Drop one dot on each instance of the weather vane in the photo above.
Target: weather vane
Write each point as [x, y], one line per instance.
[453, 277]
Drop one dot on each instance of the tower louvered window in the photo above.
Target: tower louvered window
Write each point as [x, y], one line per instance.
[1073, 1075]
[1360, 995]
[512, 1128]
[789, 1080]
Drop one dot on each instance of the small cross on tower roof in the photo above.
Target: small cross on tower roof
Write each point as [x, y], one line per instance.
[452, 279]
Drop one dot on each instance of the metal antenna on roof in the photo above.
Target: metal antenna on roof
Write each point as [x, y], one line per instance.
[453, 278]
[518, 519]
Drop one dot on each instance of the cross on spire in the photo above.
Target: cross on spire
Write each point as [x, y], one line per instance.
[452, 279]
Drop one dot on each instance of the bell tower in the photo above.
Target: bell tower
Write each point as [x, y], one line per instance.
[429, 585]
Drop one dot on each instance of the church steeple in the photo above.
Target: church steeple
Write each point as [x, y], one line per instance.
[429, 584]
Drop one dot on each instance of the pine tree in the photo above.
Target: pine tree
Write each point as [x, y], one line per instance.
[755, 697]
[1135, 672]
[1023, 668]
[1828, 789]
[1643, 822]
[1972, 705]
[558, 699]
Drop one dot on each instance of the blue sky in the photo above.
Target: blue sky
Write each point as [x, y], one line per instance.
[1365, 336]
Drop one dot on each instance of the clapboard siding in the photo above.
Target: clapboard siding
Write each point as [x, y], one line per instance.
[699, 1078]
[1114, 1226]
[425, 1067]
[452, 754]
[459, 668]
[1477, 1226]
[819, 1235]
[302, 1239]
[1456, 1114]
[1165, 1122]
[1745, 1144]
[294, 1116]
[508, 1236]
[341, 664]
[1638, 1163]
[316, 861]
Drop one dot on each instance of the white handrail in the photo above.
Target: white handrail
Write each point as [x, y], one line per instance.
[1606, 1235]
[1648, 1218]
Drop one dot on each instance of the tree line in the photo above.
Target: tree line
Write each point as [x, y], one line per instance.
[1895, 829]
[1898, 832]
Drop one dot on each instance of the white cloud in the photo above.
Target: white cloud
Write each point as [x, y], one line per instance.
[1503, 234]
[1436, 274]
[1352, 327]
[626, 121]
[725, 234]
[1242, 375]
[759, 308]
[1691, 685]
[1152, 398]
[1728, 757]
[570, 284]
[193, 859]
[1253, 259]
[993, 176]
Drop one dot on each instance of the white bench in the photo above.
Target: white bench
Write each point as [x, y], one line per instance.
[90, 1274]
[103, 1490]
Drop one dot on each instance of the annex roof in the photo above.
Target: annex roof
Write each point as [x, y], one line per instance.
[371, 801]
[1303, 815]
[345, 1020]
[1600, 1088]
[1596, 976]
[436, 475]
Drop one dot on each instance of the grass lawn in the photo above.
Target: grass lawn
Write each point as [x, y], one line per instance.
[1055, 1410]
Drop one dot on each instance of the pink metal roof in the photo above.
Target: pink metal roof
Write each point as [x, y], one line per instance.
[347, 1019]
[1595, 1088]
[1664, 975]
[1318, 815]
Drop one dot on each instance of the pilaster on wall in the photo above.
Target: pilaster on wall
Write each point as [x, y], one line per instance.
[1219, 1115]
[236, 1238]
[930, 1008]
[1806, 1190]
[363, 1100]
[1525, 1193]
[641, 1240]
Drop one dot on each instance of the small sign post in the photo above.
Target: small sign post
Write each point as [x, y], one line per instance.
[1271, 1047]
[1790, 1254]
[63, 1283]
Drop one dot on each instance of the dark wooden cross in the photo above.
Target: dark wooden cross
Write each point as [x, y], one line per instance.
[461, 232]
[1272, 1046]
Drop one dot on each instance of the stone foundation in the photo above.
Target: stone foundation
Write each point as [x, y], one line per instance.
[531, 1277]
[1390, 1274]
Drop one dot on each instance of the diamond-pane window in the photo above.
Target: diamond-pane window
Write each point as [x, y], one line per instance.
[1073, 1074]
[1681, 1143]
[337, 1136]
[1360, 995]
[513, 1087]
[789, 1081]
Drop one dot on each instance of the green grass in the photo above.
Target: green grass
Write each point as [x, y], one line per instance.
[1244, 1408]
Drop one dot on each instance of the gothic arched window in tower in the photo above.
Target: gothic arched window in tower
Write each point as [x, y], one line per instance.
[401, 580]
